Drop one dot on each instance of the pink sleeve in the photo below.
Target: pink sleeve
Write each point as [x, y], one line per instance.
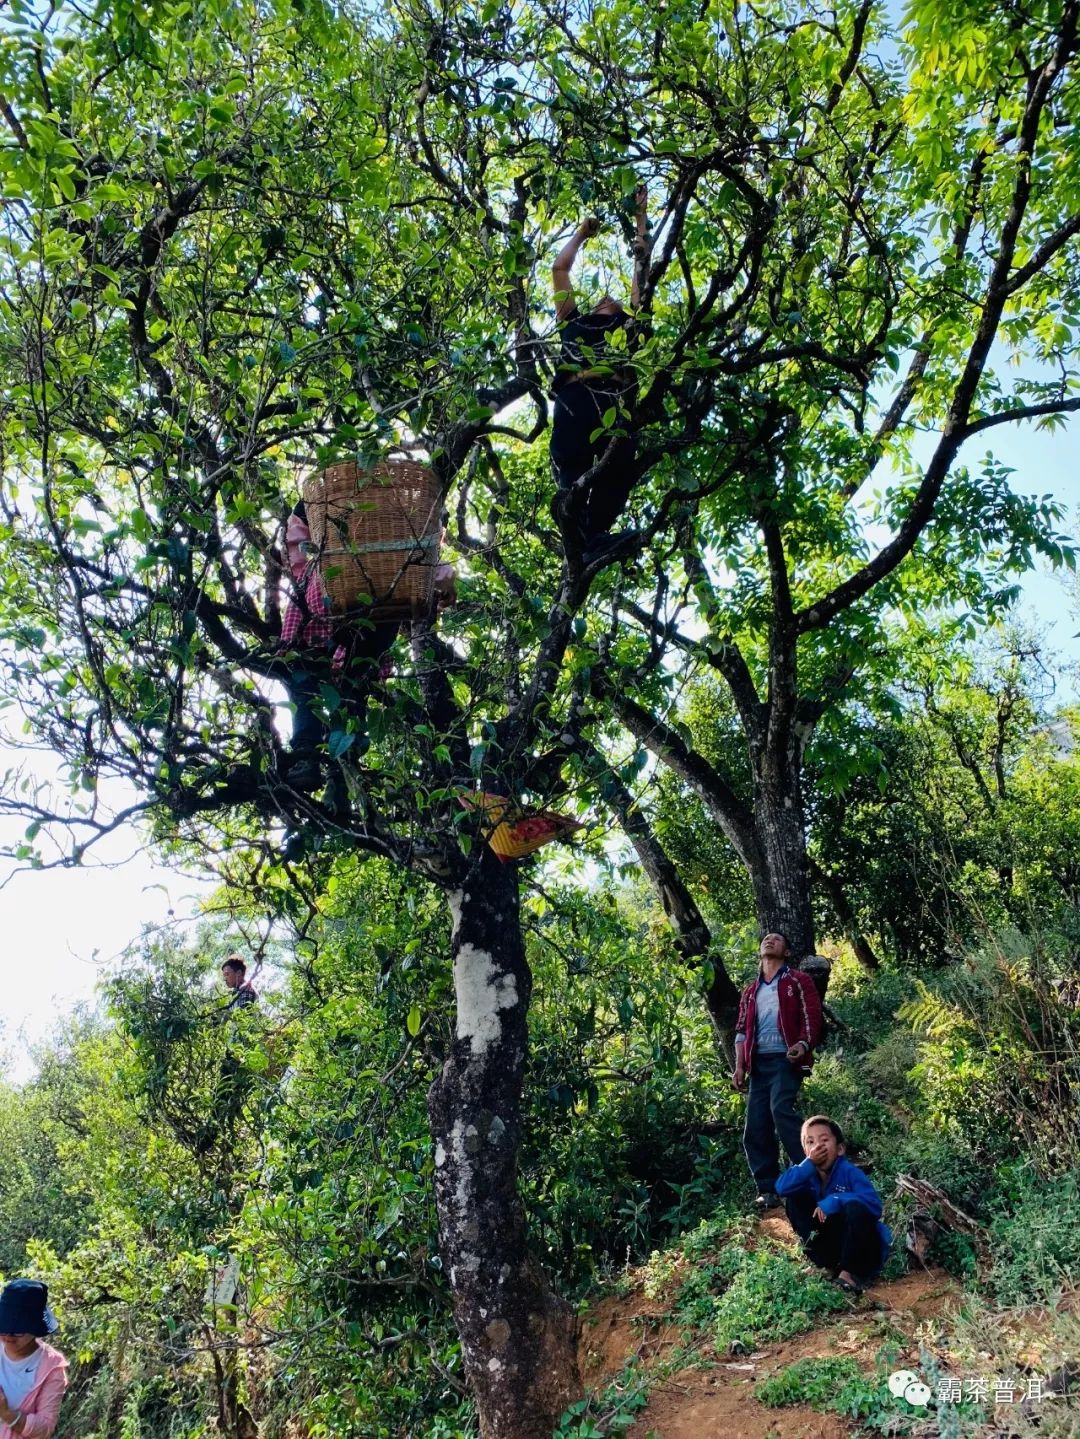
[296, 534]
[41, 1423]
[290, 625]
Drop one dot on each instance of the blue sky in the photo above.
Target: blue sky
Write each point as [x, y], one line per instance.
[1045, 462]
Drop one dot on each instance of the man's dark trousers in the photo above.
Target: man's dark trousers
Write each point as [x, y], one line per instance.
[771, 1118]
[847, 1240]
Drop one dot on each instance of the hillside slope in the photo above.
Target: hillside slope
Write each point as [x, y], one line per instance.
[658, 1358]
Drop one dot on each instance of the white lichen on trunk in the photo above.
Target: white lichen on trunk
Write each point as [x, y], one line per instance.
[481, 991]
[455, 899]
[481, 994]
[461, 1200]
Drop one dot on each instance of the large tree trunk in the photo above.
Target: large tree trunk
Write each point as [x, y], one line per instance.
[782, 882]
[518, 1338]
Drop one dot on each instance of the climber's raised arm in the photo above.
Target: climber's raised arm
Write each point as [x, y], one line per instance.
[565, 303]
[641, 240]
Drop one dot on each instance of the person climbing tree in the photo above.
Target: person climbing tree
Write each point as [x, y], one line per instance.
[234, 975]
[593, 461]
[327, 649]
[234, 1078]
[344, 651]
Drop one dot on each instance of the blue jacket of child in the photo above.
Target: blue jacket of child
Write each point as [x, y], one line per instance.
[846, 1184]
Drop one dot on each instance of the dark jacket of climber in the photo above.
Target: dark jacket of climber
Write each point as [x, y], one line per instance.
[590, 381]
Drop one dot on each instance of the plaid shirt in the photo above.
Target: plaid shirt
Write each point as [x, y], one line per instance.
[308, 623]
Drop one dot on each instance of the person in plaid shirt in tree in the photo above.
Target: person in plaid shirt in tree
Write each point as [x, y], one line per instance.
[341, 656]
[347, 656]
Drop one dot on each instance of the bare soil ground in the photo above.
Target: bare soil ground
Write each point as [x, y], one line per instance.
[713, 1395]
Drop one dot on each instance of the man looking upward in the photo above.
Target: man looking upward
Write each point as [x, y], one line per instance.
[778, 1027]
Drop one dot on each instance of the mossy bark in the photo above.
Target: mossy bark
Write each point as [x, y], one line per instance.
[518, 1337]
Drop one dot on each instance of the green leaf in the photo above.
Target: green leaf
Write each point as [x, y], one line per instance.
[340, 742]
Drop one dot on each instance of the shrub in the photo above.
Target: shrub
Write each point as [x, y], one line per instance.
[838, 1088]
[607, 1414]
[1000, 1062]
[808, 1381]
[746, 1295]
[867, 1003]
[772, 1296]
[886, 1068]
[1035, 1237]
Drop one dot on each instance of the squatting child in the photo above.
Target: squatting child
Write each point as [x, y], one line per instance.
[834, 1209]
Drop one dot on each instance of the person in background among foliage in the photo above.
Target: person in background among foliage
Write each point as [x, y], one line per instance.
[235, 1079]
[234, 972]
[33, 1375]
[834, 1209]
[779, 1026]
[589, 382]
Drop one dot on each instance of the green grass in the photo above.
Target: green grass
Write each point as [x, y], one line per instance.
[839, 1386]
[747, 1297]
[771, 1296]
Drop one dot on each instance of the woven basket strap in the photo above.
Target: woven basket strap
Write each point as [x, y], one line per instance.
[423, 542]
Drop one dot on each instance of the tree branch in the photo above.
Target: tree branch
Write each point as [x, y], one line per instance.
[1017, 413]
[13, 122]
[693, 936]
[1045, 253]
[733, 816]
[831, 886]
[996, 295]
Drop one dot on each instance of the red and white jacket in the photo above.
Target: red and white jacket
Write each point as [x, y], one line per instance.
[799, 1014]
[41, 1407]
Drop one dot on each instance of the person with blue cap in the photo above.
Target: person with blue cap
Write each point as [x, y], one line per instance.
[33, 1375]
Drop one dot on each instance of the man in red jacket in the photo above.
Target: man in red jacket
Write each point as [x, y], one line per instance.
[777, 1030]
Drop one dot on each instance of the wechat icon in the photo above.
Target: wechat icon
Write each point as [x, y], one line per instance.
[906, 1385]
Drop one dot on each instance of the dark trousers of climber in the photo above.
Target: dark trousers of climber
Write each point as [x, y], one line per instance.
[578, 412]
[364, 646]
[847, 1240]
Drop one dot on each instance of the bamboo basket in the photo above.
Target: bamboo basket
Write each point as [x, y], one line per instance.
[377, 533]
[512, 834]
